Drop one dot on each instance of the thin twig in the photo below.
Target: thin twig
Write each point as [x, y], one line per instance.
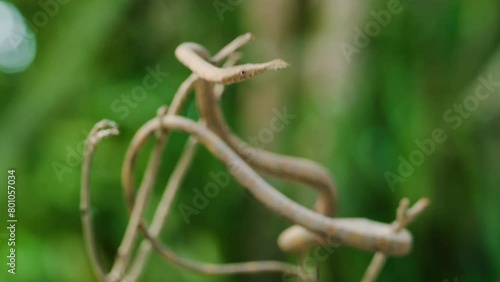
[404, 216]
[230, 48]
[225, 269]
[163, 209]
[100, 131]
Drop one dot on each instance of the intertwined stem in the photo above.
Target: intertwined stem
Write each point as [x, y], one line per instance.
[311, 227]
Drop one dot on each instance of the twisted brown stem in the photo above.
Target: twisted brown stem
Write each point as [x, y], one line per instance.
[359, 233]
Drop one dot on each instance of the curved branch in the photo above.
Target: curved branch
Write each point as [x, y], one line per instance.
[225, 269]
[100, 131]
[359, 233]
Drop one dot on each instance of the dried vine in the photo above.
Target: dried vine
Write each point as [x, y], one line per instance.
[312, 227]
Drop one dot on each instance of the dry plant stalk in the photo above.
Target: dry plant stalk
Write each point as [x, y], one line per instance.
[312, 227]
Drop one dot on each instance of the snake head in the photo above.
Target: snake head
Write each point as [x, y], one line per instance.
[247, 71]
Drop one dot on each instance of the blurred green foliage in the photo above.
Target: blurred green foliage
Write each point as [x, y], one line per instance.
[92, 52]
